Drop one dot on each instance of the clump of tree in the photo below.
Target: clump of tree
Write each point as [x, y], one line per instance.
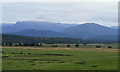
[98, 46]
[109, 46]
[68, 45]
[77, 45]
[41, 44]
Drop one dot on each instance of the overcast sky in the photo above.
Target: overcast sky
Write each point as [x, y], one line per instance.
[104, 13]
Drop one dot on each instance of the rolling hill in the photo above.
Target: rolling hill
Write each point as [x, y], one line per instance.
[41, 33]
[6, 38]
[46, 29]
[92, 31]
[36, 25]
[115, 27]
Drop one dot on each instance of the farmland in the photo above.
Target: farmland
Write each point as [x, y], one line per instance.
[59, 58]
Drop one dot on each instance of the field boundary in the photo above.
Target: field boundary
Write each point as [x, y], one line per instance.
[60, 48]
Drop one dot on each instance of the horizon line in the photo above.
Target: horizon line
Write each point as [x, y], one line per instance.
[5, 22]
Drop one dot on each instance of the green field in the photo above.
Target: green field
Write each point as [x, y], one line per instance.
[35, 59]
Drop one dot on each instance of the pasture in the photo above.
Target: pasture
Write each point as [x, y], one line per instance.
[59, 58]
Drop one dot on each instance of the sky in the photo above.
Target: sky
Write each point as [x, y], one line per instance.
[59, 0]
[104, 13]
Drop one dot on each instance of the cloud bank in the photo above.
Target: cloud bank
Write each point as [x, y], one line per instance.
[104, 13]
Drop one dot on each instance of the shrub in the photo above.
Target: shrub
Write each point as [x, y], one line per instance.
[80, 62]
[33, 64]
[29, 53]
[62, 62]
[48, 62]
[93, 66]
[31, 61]
[21, 52]
[13, 53]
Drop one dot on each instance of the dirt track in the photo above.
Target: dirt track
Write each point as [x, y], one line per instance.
[78, 49]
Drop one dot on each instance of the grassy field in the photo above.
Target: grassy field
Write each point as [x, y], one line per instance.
[35, 58]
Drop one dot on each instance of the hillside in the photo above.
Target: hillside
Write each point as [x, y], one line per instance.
[92, 31]
[25, 39]
[60, 30]
[41, 33]
[36, 25]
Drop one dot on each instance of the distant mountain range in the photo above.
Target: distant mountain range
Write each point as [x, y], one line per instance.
[36, 25]
[47, 29]
[41, 33]
[115, 27]
[91, 31]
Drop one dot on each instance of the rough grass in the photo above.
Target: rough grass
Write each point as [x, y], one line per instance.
[79, 60]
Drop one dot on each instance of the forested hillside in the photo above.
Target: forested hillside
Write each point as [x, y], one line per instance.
[24, 39]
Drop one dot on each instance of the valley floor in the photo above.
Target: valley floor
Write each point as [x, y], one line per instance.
[66, 48]
[40, 58]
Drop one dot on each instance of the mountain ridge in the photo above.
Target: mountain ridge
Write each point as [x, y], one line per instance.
[40, 33]
[23, 25]
[81, 31]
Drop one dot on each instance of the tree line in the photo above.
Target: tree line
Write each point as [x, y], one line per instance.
[29, 40]
[45, 45]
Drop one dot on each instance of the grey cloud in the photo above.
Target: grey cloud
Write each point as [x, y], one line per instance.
[61, 12]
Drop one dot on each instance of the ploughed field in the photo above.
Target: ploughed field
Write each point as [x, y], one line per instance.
[57, 58]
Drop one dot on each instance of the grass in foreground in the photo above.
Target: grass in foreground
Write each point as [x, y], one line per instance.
[31, 59]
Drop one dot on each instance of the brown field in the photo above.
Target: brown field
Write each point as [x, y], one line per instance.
[61, 48]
